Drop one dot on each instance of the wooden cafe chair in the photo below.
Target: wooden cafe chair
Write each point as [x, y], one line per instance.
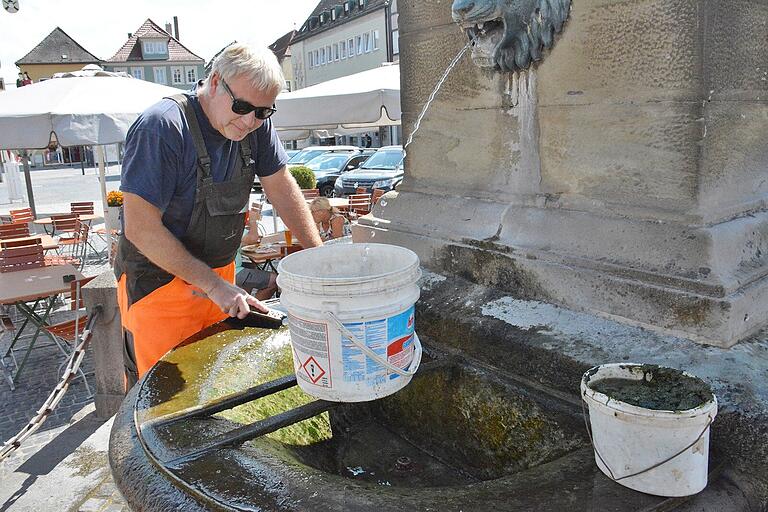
[14, 230]
[377, 193]
[67, 333]
[21, 255]
[82, 208]
[359, 204]
[23, 215]
[73, 250]
[65, 223]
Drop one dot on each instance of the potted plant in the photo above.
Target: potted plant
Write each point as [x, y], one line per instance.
[304, 176]
[113, 211]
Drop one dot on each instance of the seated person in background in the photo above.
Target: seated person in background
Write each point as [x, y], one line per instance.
[330, 222]
[260, 283]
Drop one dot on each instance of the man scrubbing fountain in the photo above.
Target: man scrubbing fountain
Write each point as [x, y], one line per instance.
[189, 165]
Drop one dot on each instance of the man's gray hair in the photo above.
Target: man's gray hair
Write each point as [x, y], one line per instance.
[258, 64]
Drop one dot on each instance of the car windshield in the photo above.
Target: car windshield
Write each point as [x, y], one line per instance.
[327, 162]
[305, 156]
[384, 160]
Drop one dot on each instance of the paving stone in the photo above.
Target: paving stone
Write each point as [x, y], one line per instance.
[93, 505]
[106, 490]
[116, 507]
[40, 375]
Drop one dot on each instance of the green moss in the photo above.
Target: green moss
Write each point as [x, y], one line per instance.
[257, 361]
[487, 427]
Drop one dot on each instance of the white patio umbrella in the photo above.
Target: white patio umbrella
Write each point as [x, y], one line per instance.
[364, 100]
[80, 111]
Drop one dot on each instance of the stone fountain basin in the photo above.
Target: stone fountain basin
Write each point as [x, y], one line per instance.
[459, 437]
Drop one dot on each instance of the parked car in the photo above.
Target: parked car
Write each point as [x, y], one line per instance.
[307, 154]
[383, 170]
[291, 152]
[329, 166]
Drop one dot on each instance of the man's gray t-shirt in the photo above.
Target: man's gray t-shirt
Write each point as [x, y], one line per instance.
[160, 162]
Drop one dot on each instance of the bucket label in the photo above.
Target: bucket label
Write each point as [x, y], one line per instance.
[310, 346]
[390, 338]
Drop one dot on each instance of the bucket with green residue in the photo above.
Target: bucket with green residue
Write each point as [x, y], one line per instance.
[650, 427]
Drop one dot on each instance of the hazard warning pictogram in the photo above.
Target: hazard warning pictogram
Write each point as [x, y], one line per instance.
[314, 371]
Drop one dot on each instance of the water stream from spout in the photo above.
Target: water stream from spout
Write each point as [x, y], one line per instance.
[436, 90]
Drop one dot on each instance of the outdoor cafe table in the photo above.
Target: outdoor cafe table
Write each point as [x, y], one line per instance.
[336, 202]
[22, 287]
[47, 221]
[272, 247]
[46, 241]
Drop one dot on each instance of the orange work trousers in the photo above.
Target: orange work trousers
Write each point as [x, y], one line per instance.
[167, 316]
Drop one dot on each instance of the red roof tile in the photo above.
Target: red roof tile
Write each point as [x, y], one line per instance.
[131, 50]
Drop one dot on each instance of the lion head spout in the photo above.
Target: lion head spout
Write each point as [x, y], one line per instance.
[510, 34]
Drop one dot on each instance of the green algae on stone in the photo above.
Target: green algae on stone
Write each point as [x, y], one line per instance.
[186, 369]
[487, 428]
[248, 361]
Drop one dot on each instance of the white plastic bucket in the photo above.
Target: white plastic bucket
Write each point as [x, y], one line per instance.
[664, 453]
[351, 316]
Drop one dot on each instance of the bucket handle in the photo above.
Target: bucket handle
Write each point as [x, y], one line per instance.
[637, 473]
[376, 357]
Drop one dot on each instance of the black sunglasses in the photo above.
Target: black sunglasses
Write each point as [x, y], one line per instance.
[243, 108]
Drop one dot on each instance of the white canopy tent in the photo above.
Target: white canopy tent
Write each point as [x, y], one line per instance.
[78, 111]
[349, 104]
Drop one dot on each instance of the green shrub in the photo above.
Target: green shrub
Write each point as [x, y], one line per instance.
[304, 177]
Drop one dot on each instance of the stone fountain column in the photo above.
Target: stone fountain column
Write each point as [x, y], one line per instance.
[626, 173]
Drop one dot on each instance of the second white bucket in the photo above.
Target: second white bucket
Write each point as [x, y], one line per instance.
[664, 453]
[351, 317]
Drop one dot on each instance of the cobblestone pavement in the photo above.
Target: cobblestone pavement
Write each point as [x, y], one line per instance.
[39, 377]
[105, 498]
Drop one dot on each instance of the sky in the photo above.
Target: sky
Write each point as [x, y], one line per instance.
[102, 26]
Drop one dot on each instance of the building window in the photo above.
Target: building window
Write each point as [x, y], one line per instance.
[177, 74]
[336, 51]
[322, 56]
[191, 72]
[311, 59]
[333, 14]
[154, 48]
[361, 4]
[367, 42]
[395, 42]
[288, 86]
[343, 49]
[160, 77]
[317, 57]
[359, 45]
[346, 8]
[375, 35]
[329, 54]
[138, 73]
[351, 45]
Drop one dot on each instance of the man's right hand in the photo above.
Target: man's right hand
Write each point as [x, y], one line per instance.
[233, 300]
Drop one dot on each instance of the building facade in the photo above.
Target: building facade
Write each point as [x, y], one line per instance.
[341, 38]
[56, 53]
[284, 53]
[154, 55]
